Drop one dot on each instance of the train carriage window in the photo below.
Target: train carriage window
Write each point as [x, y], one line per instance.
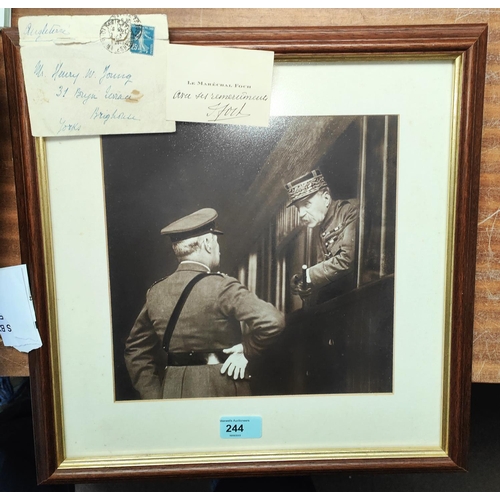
[357, 157]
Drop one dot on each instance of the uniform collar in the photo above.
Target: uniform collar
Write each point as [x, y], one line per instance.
[191, 265]
[332, 209]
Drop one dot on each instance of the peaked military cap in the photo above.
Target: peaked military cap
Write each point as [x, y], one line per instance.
[195, 224]
[305, 185]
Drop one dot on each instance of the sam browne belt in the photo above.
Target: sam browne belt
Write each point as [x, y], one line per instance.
[194, 358]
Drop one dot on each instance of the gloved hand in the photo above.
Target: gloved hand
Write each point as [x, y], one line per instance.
[236, 363]
[297, 286]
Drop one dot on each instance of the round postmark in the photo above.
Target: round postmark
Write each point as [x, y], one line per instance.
[119, 32]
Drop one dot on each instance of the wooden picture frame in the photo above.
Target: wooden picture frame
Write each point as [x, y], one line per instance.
[465, 47]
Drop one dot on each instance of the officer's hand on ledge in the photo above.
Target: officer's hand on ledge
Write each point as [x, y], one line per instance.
[297, 286]
[236, 363]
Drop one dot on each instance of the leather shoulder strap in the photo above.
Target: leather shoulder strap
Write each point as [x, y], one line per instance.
[178, 308]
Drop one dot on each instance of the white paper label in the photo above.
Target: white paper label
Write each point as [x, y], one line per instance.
[17, 315]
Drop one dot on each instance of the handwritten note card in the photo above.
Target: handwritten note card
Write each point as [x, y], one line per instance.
[95, 75]
[219, 85]
[17, 315]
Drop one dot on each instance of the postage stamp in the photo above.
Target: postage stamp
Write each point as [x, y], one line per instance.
[142, 39]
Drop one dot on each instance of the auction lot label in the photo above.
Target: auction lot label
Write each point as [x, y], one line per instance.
[240, 427]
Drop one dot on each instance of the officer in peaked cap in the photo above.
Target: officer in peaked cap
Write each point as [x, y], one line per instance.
[196, 224]
[336, 220]
[187, 341]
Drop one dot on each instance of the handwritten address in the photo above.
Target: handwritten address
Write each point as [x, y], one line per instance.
[96, 84]
[51, 29]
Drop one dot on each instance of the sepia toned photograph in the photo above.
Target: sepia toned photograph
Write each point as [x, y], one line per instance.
[251, 261]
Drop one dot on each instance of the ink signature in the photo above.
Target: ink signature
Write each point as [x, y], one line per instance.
[221, 112]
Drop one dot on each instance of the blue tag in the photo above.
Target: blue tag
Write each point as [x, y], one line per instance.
[240, 427]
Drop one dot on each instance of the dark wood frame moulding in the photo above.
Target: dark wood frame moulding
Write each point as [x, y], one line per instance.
[371, 41]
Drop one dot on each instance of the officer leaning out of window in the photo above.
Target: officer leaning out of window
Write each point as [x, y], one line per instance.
[336, 221]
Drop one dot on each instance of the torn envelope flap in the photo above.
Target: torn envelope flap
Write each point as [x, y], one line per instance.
[87, 29]
[95, 75]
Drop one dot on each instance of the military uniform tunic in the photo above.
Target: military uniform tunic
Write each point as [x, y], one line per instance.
[337, 240]
[209, 321]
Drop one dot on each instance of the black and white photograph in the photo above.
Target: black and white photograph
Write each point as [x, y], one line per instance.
[253, 261]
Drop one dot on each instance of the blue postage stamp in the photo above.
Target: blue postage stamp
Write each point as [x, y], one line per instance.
[143, 39]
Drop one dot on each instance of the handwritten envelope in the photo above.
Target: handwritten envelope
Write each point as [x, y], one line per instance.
[95, 75]
[219, 85]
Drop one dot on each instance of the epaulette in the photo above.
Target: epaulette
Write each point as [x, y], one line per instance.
[156, 282]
